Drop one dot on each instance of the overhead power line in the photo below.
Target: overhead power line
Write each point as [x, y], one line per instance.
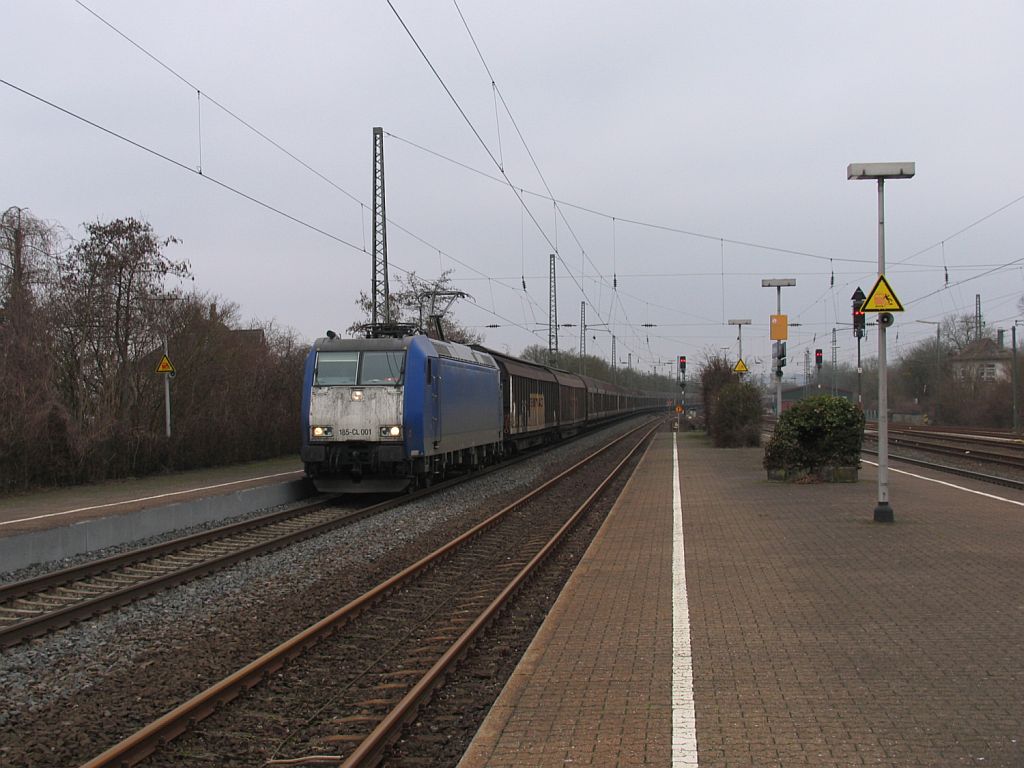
[959, 232]
[222, 184]
[221, 106]
[487, 149]
[278, 146]
[626, 219]
[183, 166]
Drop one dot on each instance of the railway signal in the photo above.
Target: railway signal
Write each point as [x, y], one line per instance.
[858, 313]
[818, 358]
[779, 357]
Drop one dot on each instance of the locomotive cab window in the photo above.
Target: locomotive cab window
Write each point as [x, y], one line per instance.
[381, 367]
[336, 368]
[362, 368]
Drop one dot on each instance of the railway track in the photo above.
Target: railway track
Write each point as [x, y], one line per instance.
[1008, 482]
[978, 448]
[970, 453]
[36, 606]
[357, 676]
[958, 448]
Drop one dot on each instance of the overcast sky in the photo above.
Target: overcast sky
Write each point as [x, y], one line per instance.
[724, 127]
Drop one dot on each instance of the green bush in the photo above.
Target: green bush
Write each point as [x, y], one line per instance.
[715, 373]
[817, 432]
[735, 420]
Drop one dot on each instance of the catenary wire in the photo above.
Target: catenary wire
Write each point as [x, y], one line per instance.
[222, 184]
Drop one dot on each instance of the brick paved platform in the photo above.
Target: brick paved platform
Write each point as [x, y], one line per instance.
[819, 638]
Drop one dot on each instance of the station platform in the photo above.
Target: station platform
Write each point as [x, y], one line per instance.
[59, 523]
[751, 623]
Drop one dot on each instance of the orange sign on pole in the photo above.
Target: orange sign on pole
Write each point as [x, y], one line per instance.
[779, 327]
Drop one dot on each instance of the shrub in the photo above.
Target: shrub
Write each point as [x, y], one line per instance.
[736, 416]
[714, 374]
[817, 432]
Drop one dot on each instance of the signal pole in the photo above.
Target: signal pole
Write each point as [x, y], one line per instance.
[858, 331]
[778, 284]
[740, 324]
[682, 381]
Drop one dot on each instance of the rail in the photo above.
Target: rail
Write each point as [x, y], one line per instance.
[136, 747]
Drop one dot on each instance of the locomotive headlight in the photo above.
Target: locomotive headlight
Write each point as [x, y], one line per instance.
[357, 394]
[393, 431]
[323, 431]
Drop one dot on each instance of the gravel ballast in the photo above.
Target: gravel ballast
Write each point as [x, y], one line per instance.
[71, 694]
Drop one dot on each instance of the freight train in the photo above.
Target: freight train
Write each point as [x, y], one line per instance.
[384, 415]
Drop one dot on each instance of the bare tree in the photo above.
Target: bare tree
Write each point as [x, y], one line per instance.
[32, 432]
[27, 249]
[107, 306]
[81, 333]
[960, 330]
[410, 303]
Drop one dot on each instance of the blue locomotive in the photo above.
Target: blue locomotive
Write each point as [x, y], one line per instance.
[388, 414]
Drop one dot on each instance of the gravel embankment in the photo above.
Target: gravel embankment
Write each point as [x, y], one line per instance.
[71, 694]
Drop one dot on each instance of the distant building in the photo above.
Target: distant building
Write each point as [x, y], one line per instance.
[982, 360]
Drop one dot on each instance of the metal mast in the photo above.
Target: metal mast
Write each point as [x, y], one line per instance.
[381, 298]
[583, 337]
[835, 351]
[552, 316]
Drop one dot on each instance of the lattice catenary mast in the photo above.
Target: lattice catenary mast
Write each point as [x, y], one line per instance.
[552, 316]
[381, 313]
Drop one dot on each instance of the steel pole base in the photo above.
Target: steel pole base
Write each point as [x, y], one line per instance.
[883, 512]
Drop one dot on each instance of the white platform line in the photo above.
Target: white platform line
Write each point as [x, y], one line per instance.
[684, 721]
[148, 498]
[949, 485]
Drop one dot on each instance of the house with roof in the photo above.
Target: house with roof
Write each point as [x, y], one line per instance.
[982, 360]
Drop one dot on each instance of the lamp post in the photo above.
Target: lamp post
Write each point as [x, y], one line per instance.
[880, 172]
[739, 338]
[778, 284]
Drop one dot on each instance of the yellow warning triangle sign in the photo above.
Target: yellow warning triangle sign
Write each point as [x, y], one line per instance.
[882, 298]
[165, 366]
[740, 366]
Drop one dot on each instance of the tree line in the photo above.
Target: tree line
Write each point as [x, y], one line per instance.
[928, 378]
[925, 378]
[82, 329]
